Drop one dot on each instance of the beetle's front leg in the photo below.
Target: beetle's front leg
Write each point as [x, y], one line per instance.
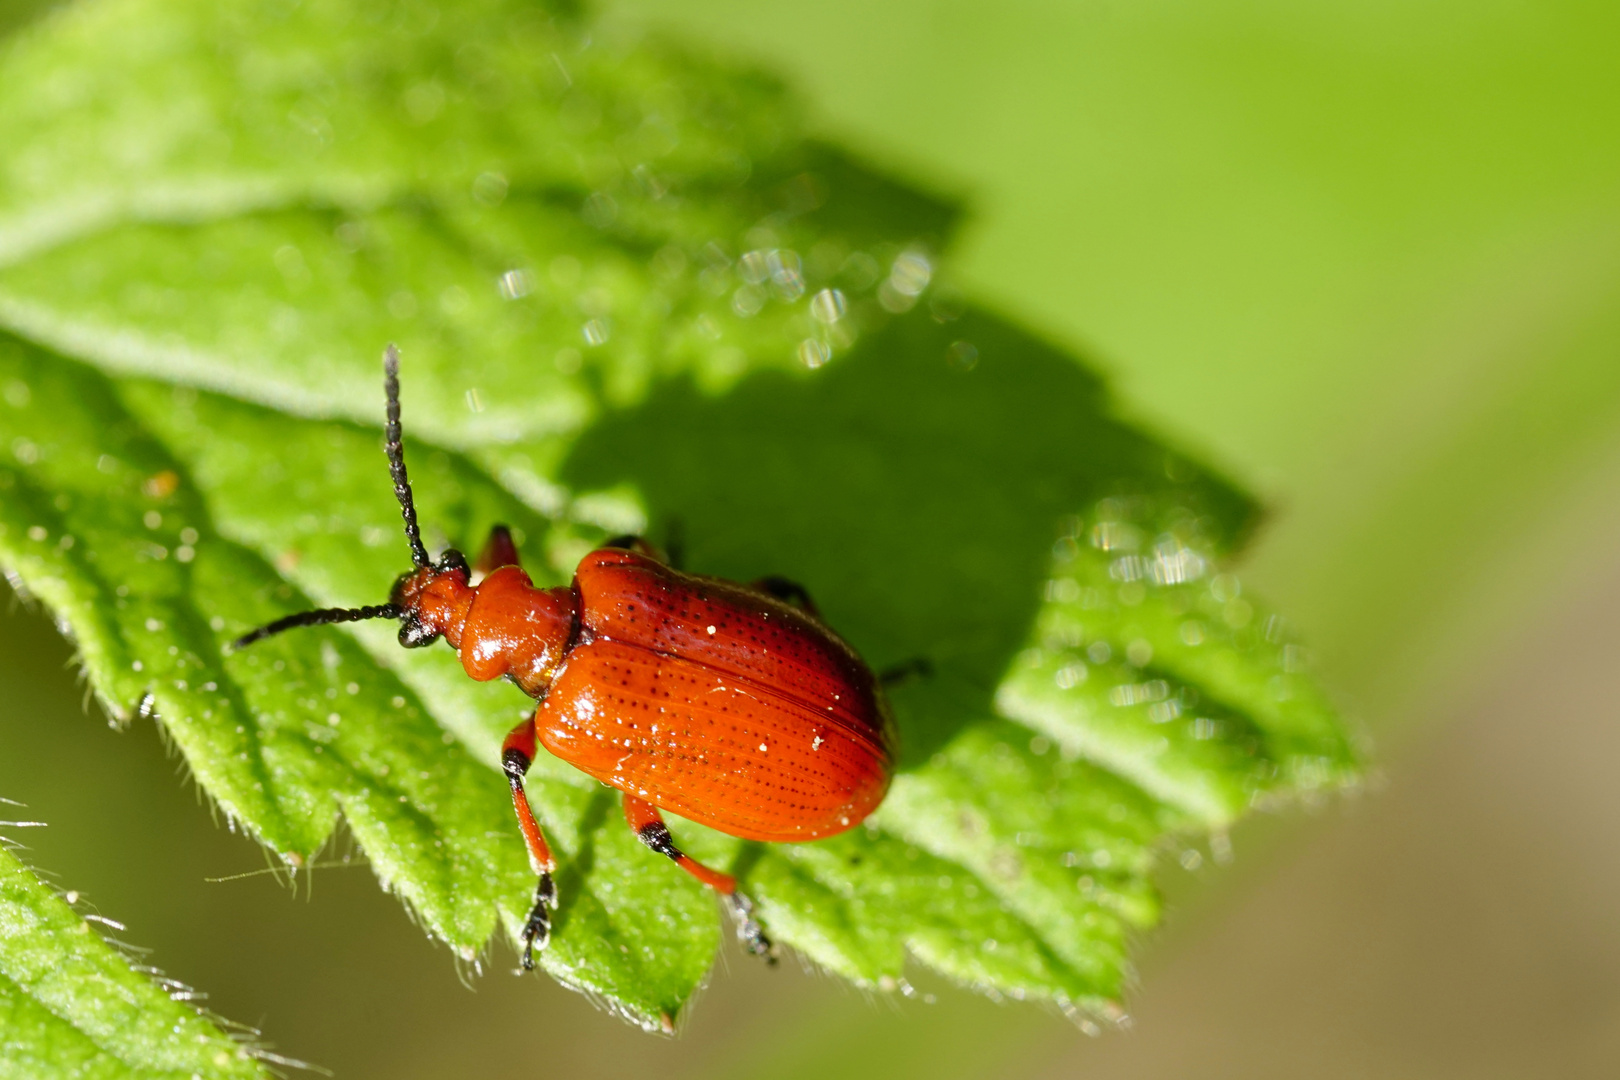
[648, 825]
[517, 754]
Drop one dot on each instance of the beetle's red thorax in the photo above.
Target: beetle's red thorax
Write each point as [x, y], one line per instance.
[503, 626]
[514, 629]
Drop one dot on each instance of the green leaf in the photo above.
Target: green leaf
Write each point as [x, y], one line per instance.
[71, 1005]
[632, 295]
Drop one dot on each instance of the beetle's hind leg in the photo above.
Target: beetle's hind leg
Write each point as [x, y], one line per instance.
[649, 827]
[499, 550]
[517, 753]
[648, 824]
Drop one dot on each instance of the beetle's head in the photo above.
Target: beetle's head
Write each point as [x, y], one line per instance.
[432, 600]
[429, 600]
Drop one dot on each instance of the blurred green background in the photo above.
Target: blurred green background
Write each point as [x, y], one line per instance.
[1366, 256]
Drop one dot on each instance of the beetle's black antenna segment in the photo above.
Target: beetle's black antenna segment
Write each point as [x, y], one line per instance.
[396, 457]
[321, 617]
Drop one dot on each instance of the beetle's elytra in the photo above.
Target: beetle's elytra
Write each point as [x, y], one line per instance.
[731, 705]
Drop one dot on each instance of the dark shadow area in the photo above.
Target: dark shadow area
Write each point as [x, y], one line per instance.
[915, 487]
[841, 195]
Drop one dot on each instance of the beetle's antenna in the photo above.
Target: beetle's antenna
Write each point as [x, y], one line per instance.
[320, 617]
[396, 457]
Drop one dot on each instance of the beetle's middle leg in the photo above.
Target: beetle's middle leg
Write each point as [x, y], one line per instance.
[788, 591]
[638, 544]
[517, 753]
[499, 550]
[649, 827]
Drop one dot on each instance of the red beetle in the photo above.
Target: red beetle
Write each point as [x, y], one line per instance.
[730, 705]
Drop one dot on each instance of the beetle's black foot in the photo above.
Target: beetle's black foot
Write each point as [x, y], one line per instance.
[537, 931]
[749, 932]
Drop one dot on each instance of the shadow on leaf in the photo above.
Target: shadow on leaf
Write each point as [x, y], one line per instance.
[915, 487]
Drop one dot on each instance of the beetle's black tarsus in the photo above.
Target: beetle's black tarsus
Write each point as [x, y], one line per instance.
[396, 457]
[749, 932]
[918, 667]
[321, 617]
[537, 931]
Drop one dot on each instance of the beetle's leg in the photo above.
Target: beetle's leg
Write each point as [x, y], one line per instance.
[499, 551]
[649, 826]
[638, 544]
[787, 591]
[516, 755]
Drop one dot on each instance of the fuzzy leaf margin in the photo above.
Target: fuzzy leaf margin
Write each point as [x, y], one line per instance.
[71, 1004]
